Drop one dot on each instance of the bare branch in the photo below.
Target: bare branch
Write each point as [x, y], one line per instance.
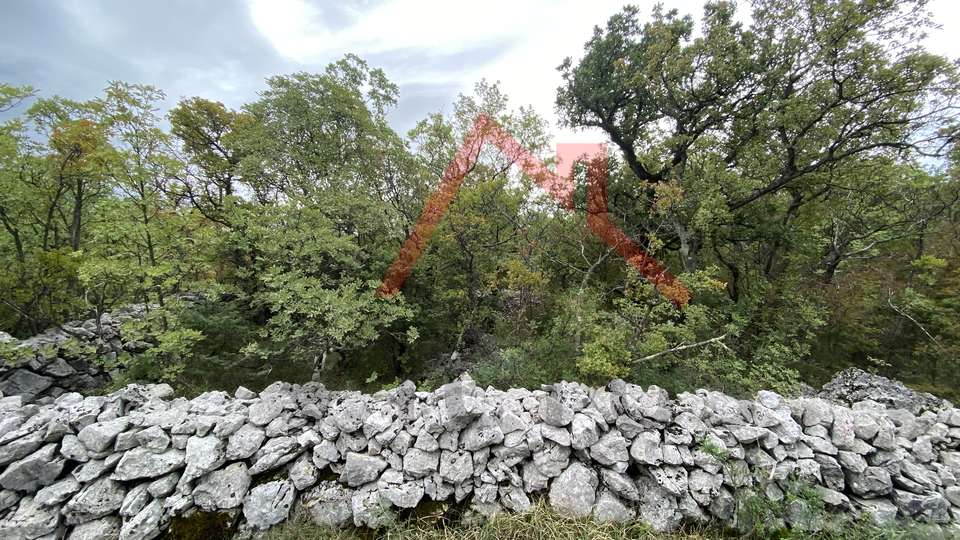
[717, 339]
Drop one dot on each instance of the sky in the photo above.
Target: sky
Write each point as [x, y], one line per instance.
[224, 50]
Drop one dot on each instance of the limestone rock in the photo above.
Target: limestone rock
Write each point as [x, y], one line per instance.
[154, 438]
[481, 433]
[704, 487]
[106, 528]
[609, 508]
[584, 432]
[203, 454]
[611, 450]
[852, 385]
[657, 508]
[268, 504]
[554, 413]
[873, 481]
[360, 469]
[223, 489]
[574, 492]
[276, 452]
[264, 411]
[455, 467]
[419, 463]
[140, 462]
[245, 442]
[349, 415]
[403, 495]
[31, 520]
[672, 479]
[552, 459]
[36, 470]
[55, 494]
[844, 428]
[329, 504]
[25, 383]
[99, 436]
[20, 448]
[94, 501]
[559, 435]
[302, 472]
[514, 498]
[370, 509]
[145, 525]
[135, 501]
[72, 449]
[621, 484]
[646, 448]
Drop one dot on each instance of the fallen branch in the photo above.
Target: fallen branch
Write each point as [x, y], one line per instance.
[680, 348]
[902, 312]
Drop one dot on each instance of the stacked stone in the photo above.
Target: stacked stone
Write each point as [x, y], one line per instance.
[124, 465]
[71, 358]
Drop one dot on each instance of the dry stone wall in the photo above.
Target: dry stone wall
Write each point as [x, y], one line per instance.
[79, 356]
[129, 463]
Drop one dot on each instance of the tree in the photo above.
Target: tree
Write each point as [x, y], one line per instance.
[763, 109]
[484, 244]
[315, 150]
[782, 151]
[50, 190]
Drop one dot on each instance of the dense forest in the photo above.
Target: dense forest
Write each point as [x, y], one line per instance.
[799, 174]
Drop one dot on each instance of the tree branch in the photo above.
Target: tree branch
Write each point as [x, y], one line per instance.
[680, 348]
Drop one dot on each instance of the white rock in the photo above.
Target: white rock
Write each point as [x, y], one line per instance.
[609, 508]
[145, 525]
[95, 500]
[223, 489]
[203, 454]
[268, 504]
[574, 492]
[99, 436]
[141, 462]
[244, 442]
[31, 520]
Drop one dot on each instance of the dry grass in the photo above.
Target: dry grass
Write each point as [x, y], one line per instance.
[541, 523]
[538, 524]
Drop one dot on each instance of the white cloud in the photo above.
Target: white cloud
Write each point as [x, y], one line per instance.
[296, 28]
[540, 35]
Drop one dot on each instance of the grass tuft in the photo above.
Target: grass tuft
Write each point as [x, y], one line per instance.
[541, 523]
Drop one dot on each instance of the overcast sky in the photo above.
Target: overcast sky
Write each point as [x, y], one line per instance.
[224, 50]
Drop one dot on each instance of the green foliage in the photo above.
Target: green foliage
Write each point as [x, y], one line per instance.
[797, 173]
[711, 447]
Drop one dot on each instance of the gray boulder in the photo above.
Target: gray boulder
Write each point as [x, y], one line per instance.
[611, 508]
[554, 413]
[99, 436]
[107, 528]
[245, 442]
[481, 433]
[268, 504]
[25, 383]
[203, 454]
[36, 470]
[329, 504]
[574, 492]
[140, 462]
[223, 489]
[146, 524]
[101, 498]
[852, 385]
[360, 469]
